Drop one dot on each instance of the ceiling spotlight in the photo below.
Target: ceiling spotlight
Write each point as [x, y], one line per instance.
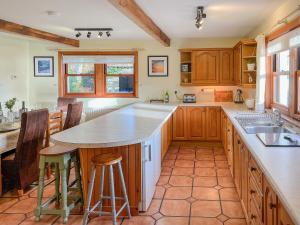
[199, 18]
[100, 34]
[88, 34]
[108, 34]
[78, 34]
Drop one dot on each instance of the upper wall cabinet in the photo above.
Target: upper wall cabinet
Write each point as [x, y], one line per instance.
[205, 67]
[245, 63]
[219, 66]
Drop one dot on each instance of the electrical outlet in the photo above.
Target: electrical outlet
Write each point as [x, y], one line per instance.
[13, 77]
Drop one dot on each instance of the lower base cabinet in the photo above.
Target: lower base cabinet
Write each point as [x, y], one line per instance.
[260, 203]
[197, 123]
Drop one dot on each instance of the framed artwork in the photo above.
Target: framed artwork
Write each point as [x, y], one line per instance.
[43, 66]
[158, 66]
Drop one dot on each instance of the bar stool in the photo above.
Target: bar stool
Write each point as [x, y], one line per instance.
[60, 156]
[102, 161]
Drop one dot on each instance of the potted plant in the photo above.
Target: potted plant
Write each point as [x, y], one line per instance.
[9, 105]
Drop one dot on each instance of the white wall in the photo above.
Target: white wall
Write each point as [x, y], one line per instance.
[13, 69]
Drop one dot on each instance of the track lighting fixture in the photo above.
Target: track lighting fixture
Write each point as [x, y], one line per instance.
[78, 34]
[100, 32]
[199, 18]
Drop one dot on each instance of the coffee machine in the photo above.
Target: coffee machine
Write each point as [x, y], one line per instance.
[238, 98]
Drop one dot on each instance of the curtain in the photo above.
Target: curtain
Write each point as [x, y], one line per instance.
[261, 73]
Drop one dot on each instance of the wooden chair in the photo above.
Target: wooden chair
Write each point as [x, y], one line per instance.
[61, 157]
[22, 170]
[63, 102]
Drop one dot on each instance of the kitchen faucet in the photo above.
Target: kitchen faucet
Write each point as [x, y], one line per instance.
[277, 117]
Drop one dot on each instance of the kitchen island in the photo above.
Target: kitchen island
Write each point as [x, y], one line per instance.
[128, 131]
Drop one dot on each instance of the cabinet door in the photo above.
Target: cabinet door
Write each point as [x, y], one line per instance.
[283, 217]
[226, 67]
[205, 67]
[237, 64]
[179, 124]
[229, 144]
[196, 123]
[213, 123]
[236, 163]
[269, 205]
[244, 177]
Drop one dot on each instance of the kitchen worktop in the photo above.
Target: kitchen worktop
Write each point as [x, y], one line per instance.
[136, 122]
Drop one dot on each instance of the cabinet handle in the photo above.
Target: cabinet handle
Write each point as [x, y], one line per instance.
[150, 153]
[228, 130]
[272, 206]
[253, 217]
[253, 169]
[239, 142]
[252, 192]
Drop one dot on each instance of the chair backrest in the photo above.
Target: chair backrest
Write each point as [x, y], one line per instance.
[55, 125]
[63, 102]
[73, 115]
[30, 142]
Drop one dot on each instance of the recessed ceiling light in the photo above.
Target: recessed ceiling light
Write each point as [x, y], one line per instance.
[52, 13]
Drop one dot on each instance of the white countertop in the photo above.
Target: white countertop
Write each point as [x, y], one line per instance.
[137, 122]
[129, 125]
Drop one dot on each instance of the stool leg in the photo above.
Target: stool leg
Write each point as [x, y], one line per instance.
[64, 188]
[40, 188]
[124, 189]
[101, 189]
[89, 197]
[57, 183]
[112, 194]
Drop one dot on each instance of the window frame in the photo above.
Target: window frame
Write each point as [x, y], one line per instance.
[99, 76]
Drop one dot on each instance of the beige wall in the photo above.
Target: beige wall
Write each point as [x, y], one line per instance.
[267, 25]
[13, 69]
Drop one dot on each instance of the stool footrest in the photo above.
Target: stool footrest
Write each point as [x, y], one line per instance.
[104, 212]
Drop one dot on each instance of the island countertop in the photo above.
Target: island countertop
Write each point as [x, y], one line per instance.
[129, 125]
[135, 123]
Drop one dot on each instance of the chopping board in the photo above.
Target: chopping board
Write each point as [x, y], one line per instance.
[223, 96]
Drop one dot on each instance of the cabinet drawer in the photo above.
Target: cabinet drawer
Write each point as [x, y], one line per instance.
[254, 216]
[256, 172]
[255, 195]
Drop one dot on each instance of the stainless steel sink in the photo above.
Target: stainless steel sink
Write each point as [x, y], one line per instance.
[265, 129]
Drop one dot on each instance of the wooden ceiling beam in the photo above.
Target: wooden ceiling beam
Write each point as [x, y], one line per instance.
[11, 27]
[134, 12]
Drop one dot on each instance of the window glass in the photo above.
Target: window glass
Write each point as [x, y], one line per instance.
[284, 61]
[80, 84]
[281, 89]
[112, 69]
[81, 68]
[119, 84]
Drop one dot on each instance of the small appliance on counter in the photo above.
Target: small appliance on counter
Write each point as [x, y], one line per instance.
[238, 98]
[189, 98]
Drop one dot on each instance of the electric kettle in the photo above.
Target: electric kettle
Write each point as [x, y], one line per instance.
[238, 98]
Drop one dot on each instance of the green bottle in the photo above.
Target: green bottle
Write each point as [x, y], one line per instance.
[167, 97]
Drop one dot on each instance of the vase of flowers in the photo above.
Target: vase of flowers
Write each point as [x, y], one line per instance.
[9, 105]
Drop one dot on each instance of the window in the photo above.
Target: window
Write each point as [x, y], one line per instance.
[119, 78]
[98, 74]
[281, 78]
[80, 78]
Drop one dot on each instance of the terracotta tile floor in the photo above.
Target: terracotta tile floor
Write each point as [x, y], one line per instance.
[195, 188]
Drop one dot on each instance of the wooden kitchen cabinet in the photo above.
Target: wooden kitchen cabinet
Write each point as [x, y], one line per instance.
[166, 136]
[205, 67]
[179, 124]
[270, 204]
[283, 217]
[196, 123]
[237, 64]
[237, 163]
[213, 123]
[226, 67]
[244, 177]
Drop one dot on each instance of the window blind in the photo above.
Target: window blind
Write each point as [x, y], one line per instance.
[98, 59]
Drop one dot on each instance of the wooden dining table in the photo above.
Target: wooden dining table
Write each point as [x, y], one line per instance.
[8, 142]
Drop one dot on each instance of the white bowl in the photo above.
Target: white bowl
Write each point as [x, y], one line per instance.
[250, 103]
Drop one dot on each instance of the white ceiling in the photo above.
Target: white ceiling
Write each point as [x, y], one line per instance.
[225, 18]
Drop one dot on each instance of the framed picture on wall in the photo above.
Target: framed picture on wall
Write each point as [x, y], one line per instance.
[43, 66]
[158, 66]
